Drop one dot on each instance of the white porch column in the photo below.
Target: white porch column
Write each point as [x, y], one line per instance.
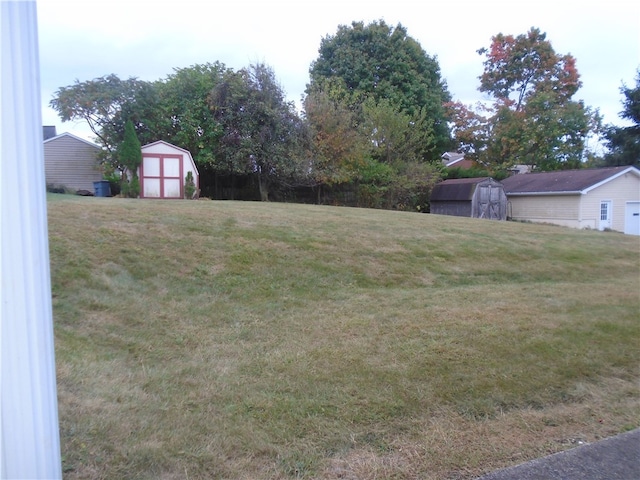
[29, 441]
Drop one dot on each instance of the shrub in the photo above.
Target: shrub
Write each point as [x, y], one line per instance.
[189, 186]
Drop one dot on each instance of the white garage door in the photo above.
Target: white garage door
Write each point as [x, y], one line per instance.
[161, 176]
[632, 218]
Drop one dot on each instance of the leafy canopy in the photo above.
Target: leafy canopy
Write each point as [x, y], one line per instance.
[185, 109]
[106, 103]
[337, 146]
[262, 131]
[533, 119]
[624, 142]
[518, 68]
[379, 62]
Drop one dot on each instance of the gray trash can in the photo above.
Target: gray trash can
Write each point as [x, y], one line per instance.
[102, 188]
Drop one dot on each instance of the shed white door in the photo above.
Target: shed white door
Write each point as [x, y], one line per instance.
[605, 214]
[632, 218]
[161, 175]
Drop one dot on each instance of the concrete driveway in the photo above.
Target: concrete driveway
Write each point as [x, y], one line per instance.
[615, 458]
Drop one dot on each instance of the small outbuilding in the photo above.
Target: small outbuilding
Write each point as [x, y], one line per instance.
[70, 162]
[594, 198]
[164, 170]
[470, 197]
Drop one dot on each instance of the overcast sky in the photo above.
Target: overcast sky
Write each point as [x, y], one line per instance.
[86, 39]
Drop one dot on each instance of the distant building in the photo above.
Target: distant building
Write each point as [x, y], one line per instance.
[457, 160]
[469, 197]
[516, 169]
[596, 198]
[70, 162]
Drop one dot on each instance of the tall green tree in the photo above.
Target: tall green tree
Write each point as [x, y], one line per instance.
[337, 147]
[394, 136]
[130, 156]
[229, 103]
[261, 131]
[188, 121]
[624, 142]
[533, 119]
[276, 130]
[381, 62]
[470, 127]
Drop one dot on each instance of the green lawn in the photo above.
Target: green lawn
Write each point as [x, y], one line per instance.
[199, 340]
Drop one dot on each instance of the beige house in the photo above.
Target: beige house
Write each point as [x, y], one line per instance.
[71, 162]
[602, 198]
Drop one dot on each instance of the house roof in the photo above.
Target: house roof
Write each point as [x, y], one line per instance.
[70, 135]
[457, 189]
[451, 158]
[563, 182]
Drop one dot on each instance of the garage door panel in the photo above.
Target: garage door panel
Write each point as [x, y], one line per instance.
[632, 218]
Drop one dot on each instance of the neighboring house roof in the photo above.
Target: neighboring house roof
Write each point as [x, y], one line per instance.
[520, 169]
[66, 134]
[563, 182]
[451, 158]
[456, 190]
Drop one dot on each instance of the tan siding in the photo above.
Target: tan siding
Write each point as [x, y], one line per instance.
[71, 163]
[555, 209]
[579, 211]
[621, 190]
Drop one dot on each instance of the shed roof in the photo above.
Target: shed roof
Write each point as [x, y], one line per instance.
[563, 182]
[456, 189]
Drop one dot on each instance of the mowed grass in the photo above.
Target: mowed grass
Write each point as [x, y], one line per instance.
[200, 340]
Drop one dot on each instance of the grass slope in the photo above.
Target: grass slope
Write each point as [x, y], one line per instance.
[246, 340]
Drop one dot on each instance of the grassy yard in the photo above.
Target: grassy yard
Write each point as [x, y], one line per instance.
[200, 340]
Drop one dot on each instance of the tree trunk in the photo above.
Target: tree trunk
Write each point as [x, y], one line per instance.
[263, 185]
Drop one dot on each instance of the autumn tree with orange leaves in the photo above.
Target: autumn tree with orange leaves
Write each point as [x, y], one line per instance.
[532, 119]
